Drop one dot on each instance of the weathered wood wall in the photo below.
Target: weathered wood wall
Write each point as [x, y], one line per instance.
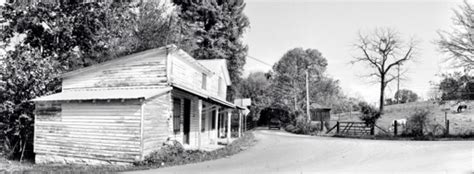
[141, 69]
[208, 135]
[86, 131]
[158, 123]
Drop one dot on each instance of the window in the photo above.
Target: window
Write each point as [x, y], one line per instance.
[219, 89]
[204, 81]
[176, 115]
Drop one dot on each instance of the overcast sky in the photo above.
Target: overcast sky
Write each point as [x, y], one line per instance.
[332, 26]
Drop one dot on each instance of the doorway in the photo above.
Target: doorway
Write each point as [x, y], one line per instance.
[187, 120]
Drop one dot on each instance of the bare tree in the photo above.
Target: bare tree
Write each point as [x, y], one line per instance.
[459, 43]
[382, 50]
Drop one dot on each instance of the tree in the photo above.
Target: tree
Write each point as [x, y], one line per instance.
[459, 43]
[217, 26]
[381, 51]
[288, 87]
[457, 86]
[406, 96]
[50, 39]
[256, 87]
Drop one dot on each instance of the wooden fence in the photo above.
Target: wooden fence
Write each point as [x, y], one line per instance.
[353, 128]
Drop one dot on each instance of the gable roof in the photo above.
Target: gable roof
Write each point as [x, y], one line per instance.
[217, 66]
[158, 51]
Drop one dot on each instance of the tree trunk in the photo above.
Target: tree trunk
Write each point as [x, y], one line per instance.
[382, 89]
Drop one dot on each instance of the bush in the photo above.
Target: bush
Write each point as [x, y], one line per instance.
[369, 114]
[302, 126]
[170, 152]
[173, 153]
[418, 122]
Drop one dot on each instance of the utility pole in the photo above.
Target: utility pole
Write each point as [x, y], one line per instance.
[307, 95]
[398, 85]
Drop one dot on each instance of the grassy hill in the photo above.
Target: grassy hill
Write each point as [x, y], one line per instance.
[460, 122]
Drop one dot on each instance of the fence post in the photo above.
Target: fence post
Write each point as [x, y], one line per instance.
[337, 127]
[395, 127]
[372, 129]
[447, 127]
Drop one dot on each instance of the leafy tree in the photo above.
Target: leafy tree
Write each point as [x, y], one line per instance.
[217, 26]
[457, 86]
[369, 114]
[288, 87]
[459, 43]
[256, 87]
[406, 96]
[381, 51]
[49, 39]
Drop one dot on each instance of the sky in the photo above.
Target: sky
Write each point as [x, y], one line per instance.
[331, 27]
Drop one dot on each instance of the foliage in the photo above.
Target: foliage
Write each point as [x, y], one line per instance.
[459, 43]
[369, 114]
[406, 96]
[217, 27]
[418, 122]
[174, 154]
[256, 87]
[381, 51]
[302, 126]
[48, 39]
[27, 75]
[270, 112]
[457, 86]
[288, 87]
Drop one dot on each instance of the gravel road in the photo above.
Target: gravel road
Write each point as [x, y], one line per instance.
[281, 152]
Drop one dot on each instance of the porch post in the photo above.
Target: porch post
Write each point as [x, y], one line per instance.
[217, 124]
[199, 122]
[240, 124]
[229, 116]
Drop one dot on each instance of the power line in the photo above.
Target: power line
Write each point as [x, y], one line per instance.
[258, 60]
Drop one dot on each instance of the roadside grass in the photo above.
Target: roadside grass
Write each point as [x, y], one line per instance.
[186, 157]
[458, 137]
[461, 124]
[176, 156]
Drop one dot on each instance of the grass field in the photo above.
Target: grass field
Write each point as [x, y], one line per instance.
[459, 122]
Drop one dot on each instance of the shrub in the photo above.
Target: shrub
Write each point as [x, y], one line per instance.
[170, 152]
[418, 122]
[369, 114]
[290, 128]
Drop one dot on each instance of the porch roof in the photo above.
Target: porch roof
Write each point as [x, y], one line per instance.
[105, 94]
[204, 95]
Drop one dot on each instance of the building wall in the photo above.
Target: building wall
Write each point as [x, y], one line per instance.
[207, 136]
[186, 74]
[101, 132]
[158, 123]
[147, 68]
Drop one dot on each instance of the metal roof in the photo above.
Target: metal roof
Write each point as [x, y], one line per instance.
[105, 94]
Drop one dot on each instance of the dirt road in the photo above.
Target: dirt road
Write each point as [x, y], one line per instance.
[280, 152]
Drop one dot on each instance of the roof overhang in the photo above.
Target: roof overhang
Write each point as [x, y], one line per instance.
[110, 94]
[204, 95]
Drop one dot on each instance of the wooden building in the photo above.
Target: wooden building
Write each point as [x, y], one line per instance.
[121, 110]
[321, 114]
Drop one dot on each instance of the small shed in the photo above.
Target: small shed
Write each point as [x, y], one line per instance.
[320, 113]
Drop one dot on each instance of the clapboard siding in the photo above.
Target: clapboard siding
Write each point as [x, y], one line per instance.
[183, 73]
[148, 69]
[157, 122]
[91, 130]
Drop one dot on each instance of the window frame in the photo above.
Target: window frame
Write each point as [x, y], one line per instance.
[177, 116]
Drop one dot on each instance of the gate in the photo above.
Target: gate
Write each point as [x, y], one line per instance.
[353, 128]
